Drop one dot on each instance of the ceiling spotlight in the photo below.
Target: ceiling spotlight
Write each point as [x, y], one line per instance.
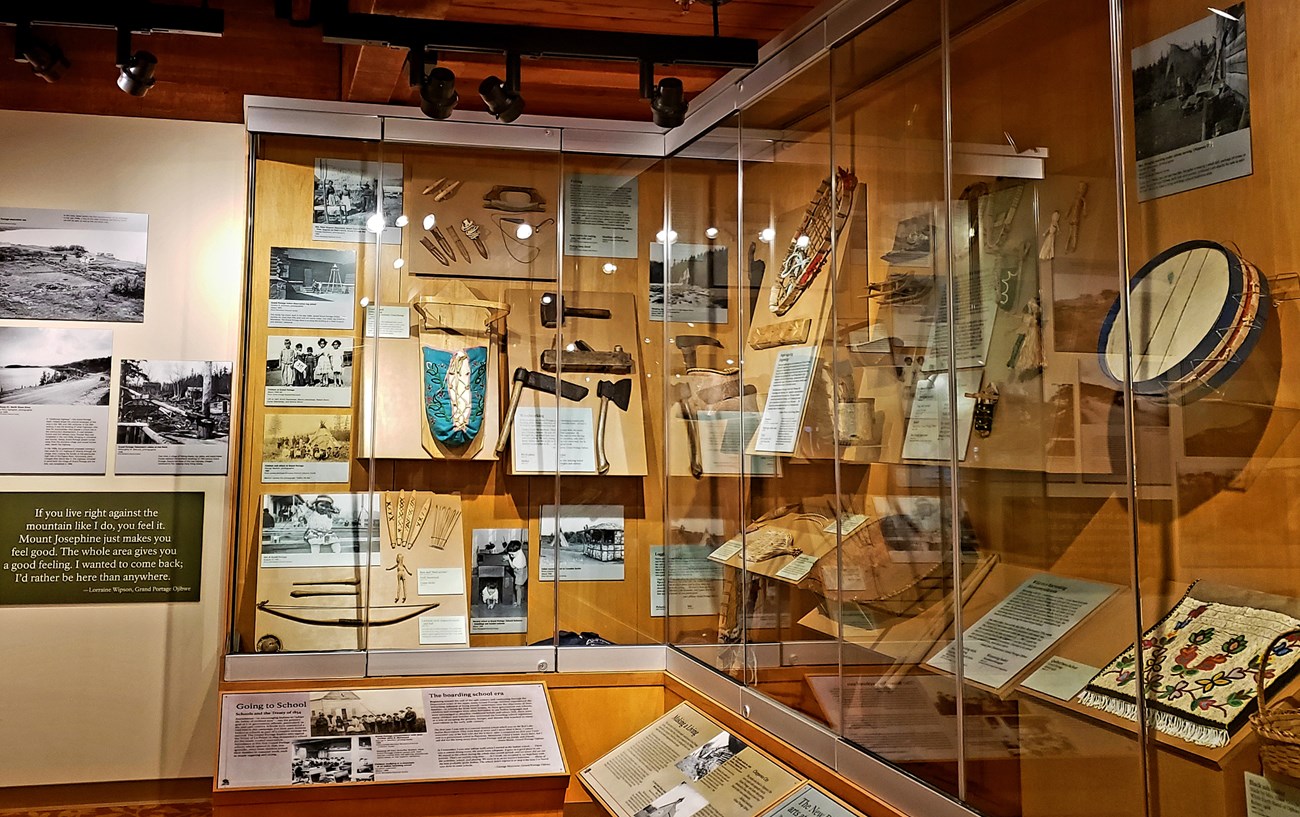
[375, 223]
[767, 235]
[711, 233]
[399, 263]
[136, 70]
[670, 235]
[402, 221]
[429, 221]
[45, 58]
[610, 268]
[437, 85]
[667, 99]
[502, 98]
[524, 231]
[802, 242]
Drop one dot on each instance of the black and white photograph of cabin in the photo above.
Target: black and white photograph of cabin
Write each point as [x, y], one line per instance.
[312, 289]
[72, 266]
[1190, 88]
[346, 193]
[589, 546]
[55, 367]
[173, 417]
[694, 288]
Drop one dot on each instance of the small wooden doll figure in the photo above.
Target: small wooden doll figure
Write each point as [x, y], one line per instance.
[1074, 216]
[1030, 360]
[402, 573]
[1047, 250]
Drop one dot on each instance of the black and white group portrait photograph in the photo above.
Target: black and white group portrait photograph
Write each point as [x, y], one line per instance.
[346, 193]
[55, 367]
[588, 547]
[306, 370]
[72, 266]
[693, 287]
[718, 750]
[312, 289]
[306, 447]
[367, 712]
[499, 581]
[1191, 90]
[315, 530]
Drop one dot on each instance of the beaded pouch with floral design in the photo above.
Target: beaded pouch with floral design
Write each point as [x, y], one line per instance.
[455, 390]
[1201, 664]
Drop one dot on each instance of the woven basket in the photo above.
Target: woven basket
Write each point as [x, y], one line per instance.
[1278, 727]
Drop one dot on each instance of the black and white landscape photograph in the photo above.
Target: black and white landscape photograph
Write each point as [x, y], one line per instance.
[72, 266]
[589, 546]
[1191, 105]
[693, 288]
[312, 289]
[173, 417]
[54, 387]
[346, 193]
[55, 367]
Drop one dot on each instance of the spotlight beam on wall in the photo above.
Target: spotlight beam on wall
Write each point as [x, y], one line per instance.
[562, 43]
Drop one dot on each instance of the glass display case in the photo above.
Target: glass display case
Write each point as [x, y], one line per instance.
[921, 375]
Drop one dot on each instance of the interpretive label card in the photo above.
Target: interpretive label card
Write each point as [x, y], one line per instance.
[688, 585]
[600, 216]
[684, 764]
[1022, 627]
[1268, 798]
[100, 548]
[1061, 678]
[540, 438]
[368, 735]
[778, 430]
[394, 321]
[929, 436]
[807, 801]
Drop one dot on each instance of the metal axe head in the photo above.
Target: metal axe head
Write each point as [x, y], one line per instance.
[554, 311]
[687, 344]
[539, 381]
[618, 392]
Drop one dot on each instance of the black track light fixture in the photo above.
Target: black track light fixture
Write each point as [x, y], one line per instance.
[45, 58]
[437, 85]
[667, 99]
[136, 70]
[502, 98]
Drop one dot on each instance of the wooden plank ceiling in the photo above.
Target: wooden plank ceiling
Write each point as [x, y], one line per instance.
[206, 78]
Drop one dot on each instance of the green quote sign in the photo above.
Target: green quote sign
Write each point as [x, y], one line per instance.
[101, 548]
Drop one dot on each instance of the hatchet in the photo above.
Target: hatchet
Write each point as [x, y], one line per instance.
[618, 392]
[555, 310]
[537, 381]
[682, 394]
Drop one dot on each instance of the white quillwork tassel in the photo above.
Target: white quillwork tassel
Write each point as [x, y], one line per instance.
[458, 390]
[1074, 217]
[1047, 250]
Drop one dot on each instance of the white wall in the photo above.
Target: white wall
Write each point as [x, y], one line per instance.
[128, 691]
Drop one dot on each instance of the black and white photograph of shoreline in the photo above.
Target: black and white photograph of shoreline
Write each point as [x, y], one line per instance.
[312, 289]
[694, 289]
[173, 417]
[346, 193]
[72, 266]
[589, 547]
[55, 367]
